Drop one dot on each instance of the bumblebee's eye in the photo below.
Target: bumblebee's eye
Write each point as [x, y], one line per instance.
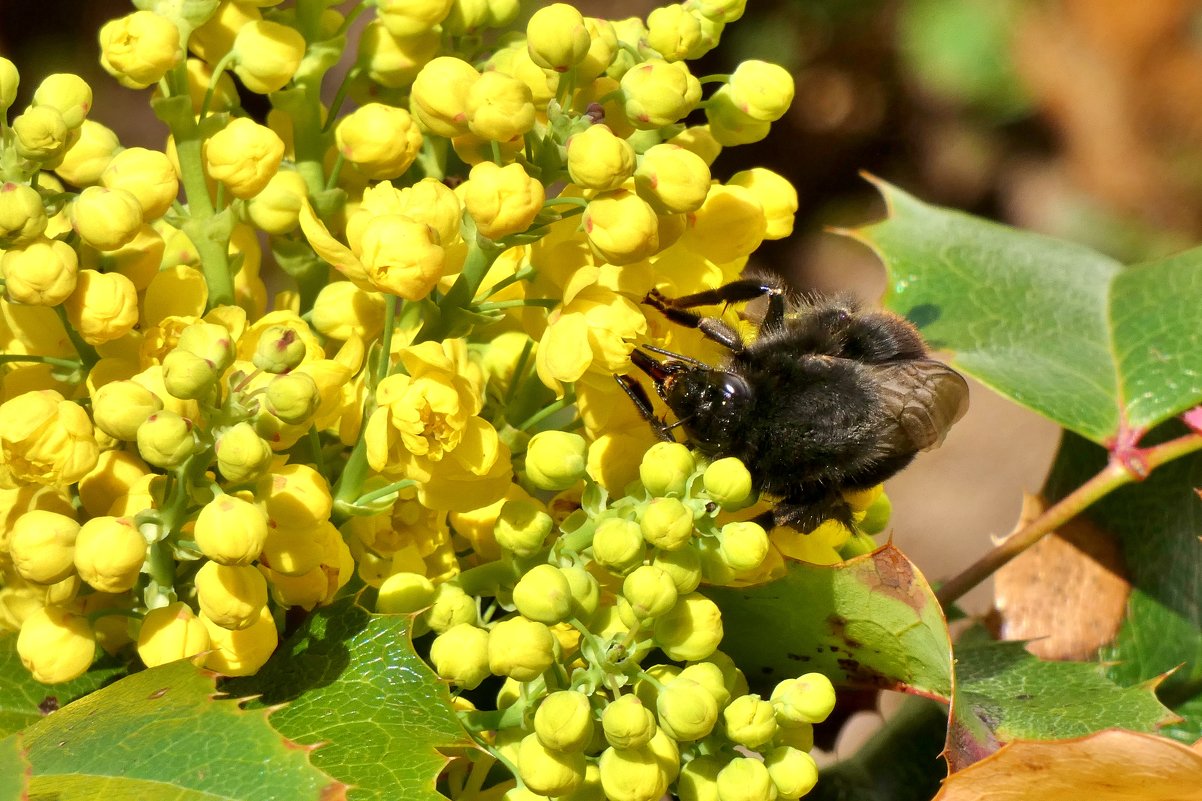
[730, 386]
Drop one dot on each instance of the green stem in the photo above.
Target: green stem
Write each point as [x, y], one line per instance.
[340, 95]
[498, 305]
[571, 201]
[383, 491]
[1116, 474]
[567, 400]
[384, 363]
[519, 372]
[87, 354]
[218, 70]
[484, 579]
[73, 364]
[716, 78]
[509, 280]
[319, 460]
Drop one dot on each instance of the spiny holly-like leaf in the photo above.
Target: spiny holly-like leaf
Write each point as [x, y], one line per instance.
[160, 733]
[1156, 523]
[353, 682]
[1095, 346]
[1004, 693]
[14, 769]
[24, 701]
[872, 621]
[1107, 766]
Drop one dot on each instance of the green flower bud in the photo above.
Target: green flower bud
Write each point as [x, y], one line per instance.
[41, 134]
[750, 721]
[166, 439]
[564, 721]
[799, 736]
[728, 483]
[557, 38]
[720, 10]
[618, 545]
[67, 94]
[109, 552]
[691, 630]
[403, 593]
[293, 398]
[733, 680]
[521, 649]
[242, 455]
[119, 408]
[460, 655]
[667, 524]
[627, 723]
[646, 689]
[522, 527]
[744, 545]
[745, 779]
[42, 546]
[187, 376]
[280, 349]
[555, 460]
[232, 596]
[729, 124]
[22, 215]
[876, 516]
[548, 771]
[713, 566]
[667, 754]
[709, 676]
[589, 789]
[761, 90]
[698, 779]
[793, 772]
[809, 698]
[210, 342]
[10, 79]
[543, 594]
[585, 592]
[665, 468]
[450, 607]
[650, 592]
[633, 774]
[686, 710]
[683, 566]
[230, 531]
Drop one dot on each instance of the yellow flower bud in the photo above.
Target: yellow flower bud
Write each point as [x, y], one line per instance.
[109, 552]
[306, 590]
[267, 55]
[602, 48]
[120, 407]
[522, 527]
[200, 77]
[106, 218]
[667, 524]
[564, 721]
[750, 721]
[649, 591]
[41, 273]
[621, 227]
[659, 93]
[672, 179]
[210, 341]
[241, 652]
[343, 310]
[460, 655]
[56, 645]
[691, 630]
[776, 195]
[794, 772]
[499, 107]
[543, 594]
[686, 711]
[169, 633]
[700, 140]
[729, 124]
[67, 94]
[9, 80]
[279, 349]
[720, 10]
[213, 40]
[761, 90]
[728, 482]
[665, 468]
[45, 439]
[585, 592]
[382, 141]
[165, 439]
[744, 545]
[147, 175]
[557, 38]
[697, 779]
[674, 32]
[22, 215]
[294, 551]
[138, 49]
[597, 159]
[745, 779]
[683, 566]
[439, 95]
[230, 595]
[42, 546]
[502, 200]
[243, 155]
[88, 155]
[242, 455]
[466, 17]
[728, 226]
[633, 774]
[516, 61]
[292, 397]
[402, 257]
[627, 723]
[555, 460]
[103, 307]
[295, 496]
[450, 607]
[411, 17]
[404, 593]
[548, 771]
[230, 531]
[41, 134]
[521, 649]
[394, 61]
[276, 209]
[809, 698]
[618, 545]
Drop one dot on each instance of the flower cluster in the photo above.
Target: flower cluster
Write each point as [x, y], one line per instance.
[457, 265]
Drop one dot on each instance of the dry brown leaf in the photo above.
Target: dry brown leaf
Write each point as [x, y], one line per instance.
[1111, 765]
[1066, 594]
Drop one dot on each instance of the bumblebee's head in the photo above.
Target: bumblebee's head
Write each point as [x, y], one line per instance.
[712, 405]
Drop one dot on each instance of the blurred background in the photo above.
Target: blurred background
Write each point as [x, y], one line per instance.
[1076, 118]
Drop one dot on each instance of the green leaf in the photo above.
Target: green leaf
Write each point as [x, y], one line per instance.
[1097, 347]
[1004, 693]
[24, 701]
[160, 733]
[872, 621]
[14, 769]
[355, 683]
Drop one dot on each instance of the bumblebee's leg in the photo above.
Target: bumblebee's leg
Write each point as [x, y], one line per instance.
[634, 390]
[711, 327]
[675, 309]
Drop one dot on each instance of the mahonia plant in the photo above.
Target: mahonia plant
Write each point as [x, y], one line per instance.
[424, 406]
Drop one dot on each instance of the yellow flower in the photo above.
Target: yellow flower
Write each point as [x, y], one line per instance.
[557, 38]
[55, 645]
[761, 90]
[148, 175]
[243, 155]
[502, 200]
[41, 134]
[45, 439]
[275, 209]
[439, 95]
[659, 93]
[595, 329]
[499, 107]
[382, 141]
[268, 55]
[395, 61]
[106, 218]
[622, 228]
[103, 307]
[411, 17]
[169, 633]
[401, 257]
[138, 49]
[42, 273]
[88, 154]
[22, 216]
[598, 159]
[776, 195]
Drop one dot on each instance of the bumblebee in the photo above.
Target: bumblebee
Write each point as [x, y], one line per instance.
[826, 397]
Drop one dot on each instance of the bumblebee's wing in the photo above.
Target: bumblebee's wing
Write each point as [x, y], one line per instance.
[924, 397]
